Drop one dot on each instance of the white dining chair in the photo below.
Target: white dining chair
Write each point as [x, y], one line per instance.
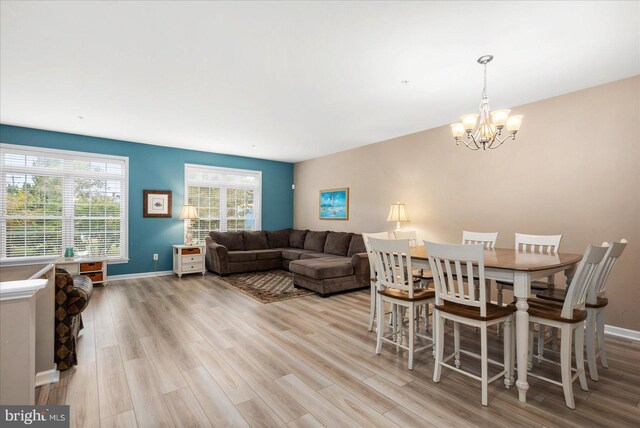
[423, 275]
[396, 286]
[595, 306]
[570, 320]
[542, 244]
[488, 241]
[372, 273]
[456, 301]
[411, 235]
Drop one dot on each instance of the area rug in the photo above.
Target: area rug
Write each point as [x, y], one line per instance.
[267, 286]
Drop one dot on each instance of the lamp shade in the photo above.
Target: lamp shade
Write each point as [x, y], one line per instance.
[189, 212]
[398, 212]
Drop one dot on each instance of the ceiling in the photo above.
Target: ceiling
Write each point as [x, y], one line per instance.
[291, 81]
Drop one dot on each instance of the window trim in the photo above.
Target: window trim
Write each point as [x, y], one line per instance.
[124, 227]
[223, 196]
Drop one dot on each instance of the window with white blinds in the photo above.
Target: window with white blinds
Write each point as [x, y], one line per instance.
[226, 199]
[54, 199]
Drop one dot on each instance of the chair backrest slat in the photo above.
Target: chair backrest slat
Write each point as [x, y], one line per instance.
[544, 244]
[604, 270]
[393, 263]
[409, 234]
[487, 239]
[463, 257]
[577, 292]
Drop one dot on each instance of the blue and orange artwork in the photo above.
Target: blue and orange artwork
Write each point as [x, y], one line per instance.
[334, 204]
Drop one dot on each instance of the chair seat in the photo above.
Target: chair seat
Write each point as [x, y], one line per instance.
[551, 311]
[535, 285]
[471, 312]
[558, 295]
[418, 294]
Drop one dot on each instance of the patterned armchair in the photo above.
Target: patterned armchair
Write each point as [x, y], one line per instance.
[72, 297]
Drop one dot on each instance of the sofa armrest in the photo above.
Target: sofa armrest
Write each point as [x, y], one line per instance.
[72, 294]
[360, 263]
[217, 257]
[78, 298]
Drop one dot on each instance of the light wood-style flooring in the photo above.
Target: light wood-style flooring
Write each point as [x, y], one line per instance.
[163, 352]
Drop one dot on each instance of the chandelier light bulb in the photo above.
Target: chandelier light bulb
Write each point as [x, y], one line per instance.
[457, 129]
[499, 117]
[513, 123]
[469, 121]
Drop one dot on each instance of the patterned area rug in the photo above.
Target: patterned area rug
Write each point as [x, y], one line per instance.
[266, 287]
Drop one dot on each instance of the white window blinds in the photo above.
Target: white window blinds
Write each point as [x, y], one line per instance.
[226, 199]
[54, 199]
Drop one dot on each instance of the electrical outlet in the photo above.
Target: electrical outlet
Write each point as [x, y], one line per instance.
[155, 257]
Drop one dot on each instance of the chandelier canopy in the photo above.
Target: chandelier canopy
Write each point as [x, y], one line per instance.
[487, 133]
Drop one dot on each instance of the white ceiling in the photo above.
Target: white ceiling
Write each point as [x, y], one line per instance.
[297, 80]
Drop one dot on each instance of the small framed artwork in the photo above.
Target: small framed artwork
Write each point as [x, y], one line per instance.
[334, 204]
[156, 203]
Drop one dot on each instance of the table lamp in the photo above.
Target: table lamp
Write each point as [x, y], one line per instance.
[398, 213]
[188, 213]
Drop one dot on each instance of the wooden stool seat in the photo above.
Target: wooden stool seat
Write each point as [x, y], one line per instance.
[559, 296]
[418, 294]
[550, 311]
[493, 311]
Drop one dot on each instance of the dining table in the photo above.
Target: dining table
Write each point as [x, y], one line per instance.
[520, 268]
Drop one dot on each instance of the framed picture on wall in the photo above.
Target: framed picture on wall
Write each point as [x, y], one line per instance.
[156, 203]
[334, 204]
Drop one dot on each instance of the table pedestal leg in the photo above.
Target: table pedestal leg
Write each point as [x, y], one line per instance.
[521, 290]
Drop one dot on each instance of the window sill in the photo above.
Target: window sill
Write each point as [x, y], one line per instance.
[52, 259]
[26, 262]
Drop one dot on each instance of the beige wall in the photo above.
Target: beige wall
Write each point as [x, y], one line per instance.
[574, 169]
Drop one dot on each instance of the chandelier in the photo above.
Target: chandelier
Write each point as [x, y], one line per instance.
[488, 134]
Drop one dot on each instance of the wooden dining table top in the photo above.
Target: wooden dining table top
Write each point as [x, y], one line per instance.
[510, 259]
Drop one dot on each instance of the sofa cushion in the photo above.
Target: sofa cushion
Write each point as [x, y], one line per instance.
[356, 246]
[254, 240]
[293, 253]
[278, 238]
[241, 256]
[231, 240]
[268, 254]
[296, 238]
[311, 255]
[337, 243]
[322, 268]
[314, 241]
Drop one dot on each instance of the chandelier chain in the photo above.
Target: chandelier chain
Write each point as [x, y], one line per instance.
[484, 89]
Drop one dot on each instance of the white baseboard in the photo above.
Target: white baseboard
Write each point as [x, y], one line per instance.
[622, 332]
[48, 376]
[139, 275]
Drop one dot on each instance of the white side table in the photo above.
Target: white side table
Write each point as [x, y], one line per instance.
[93, 267]
[188, 259]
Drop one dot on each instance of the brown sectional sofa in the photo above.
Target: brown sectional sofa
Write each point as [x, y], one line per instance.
[326, 262]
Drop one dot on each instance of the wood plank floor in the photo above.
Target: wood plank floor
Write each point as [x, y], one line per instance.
[163, 352]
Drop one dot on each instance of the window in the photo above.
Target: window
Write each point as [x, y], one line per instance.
[226, 199]
[54, 199]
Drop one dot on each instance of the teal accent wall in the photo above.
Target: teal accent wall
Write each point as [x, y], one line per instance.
[162, 168]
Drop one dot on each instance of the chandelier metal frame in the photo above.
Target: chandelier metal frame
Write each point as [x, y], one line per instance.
[489, 132]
